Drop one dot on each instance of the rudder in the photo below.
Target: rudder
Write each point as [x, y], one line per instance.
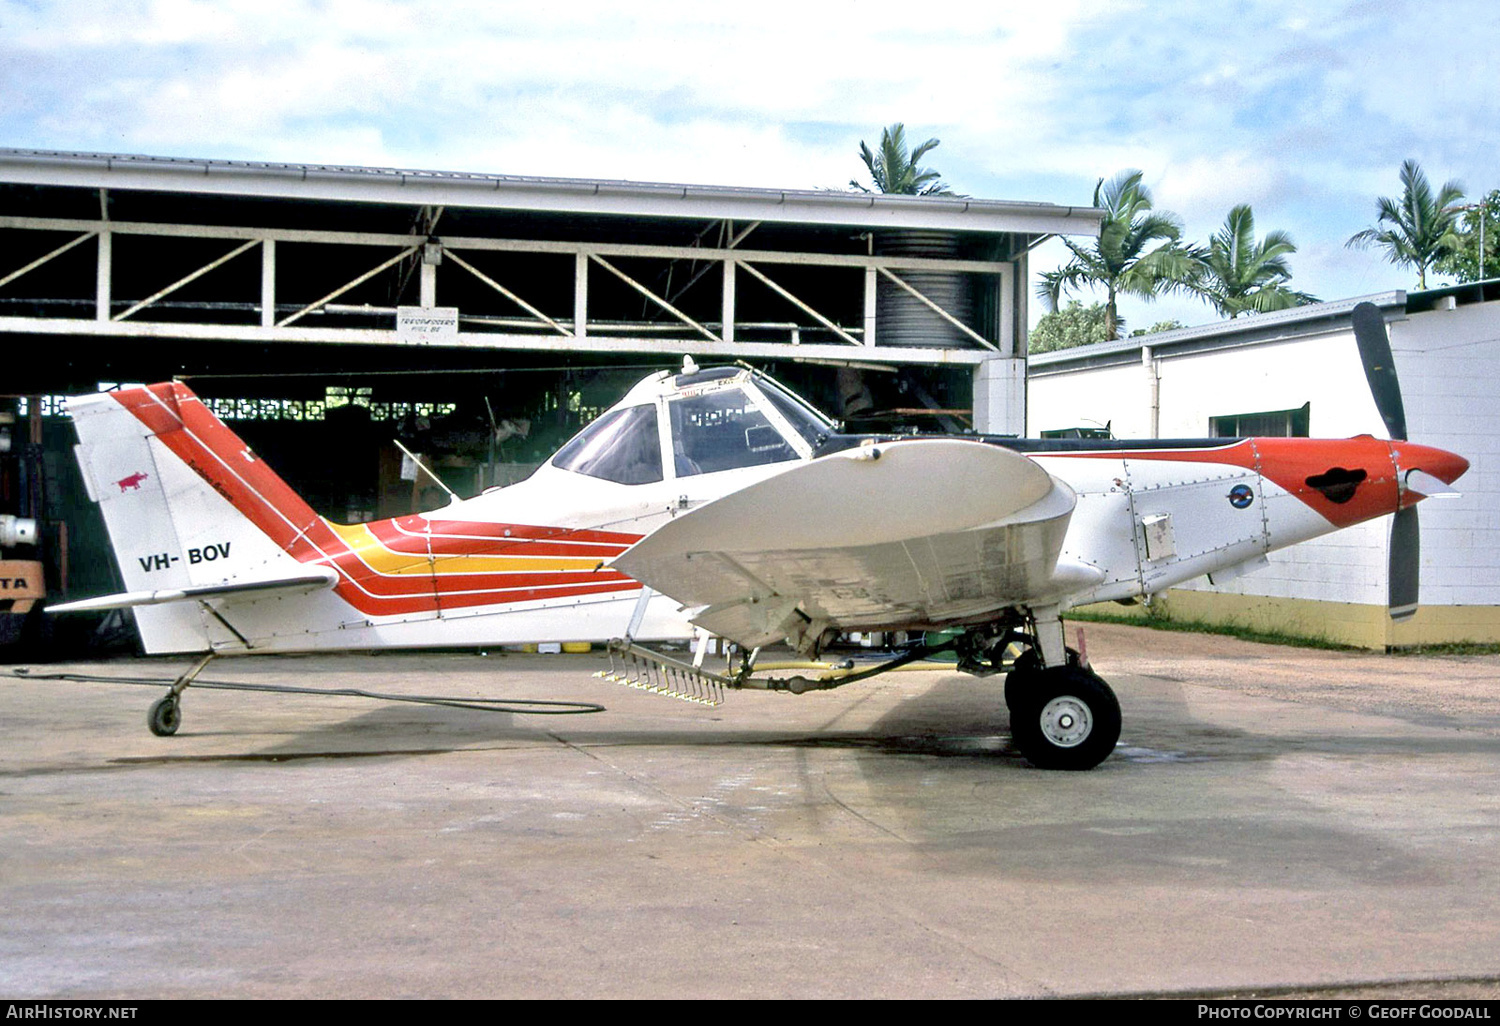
[184, 500]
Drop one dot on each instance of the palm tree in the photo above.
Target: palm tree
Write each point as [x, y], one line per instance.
[1122, 259]
[894, 170]
[1240, 274]
[1420, 229]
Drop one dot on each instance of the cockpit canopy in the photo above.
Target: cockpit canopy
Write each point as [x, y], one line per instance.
[713, 420]
[621, 446]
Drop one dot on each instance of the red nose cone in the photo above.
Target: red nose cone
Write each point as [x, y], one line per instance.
[1440, 463]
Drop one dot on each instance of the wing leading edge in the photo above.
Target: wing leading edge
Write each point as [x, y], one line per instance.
[912, 533]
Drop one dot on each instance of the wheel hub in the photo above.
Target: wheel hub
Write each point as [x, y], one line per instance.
[1066, 721]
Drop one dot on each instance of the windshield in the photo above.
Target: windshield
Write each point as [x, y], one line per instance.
[623, 446]
[806, 421]
[723, 431]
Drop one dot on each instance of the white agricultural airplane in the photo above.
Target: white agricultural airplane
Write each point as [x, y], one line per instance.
[717, 501]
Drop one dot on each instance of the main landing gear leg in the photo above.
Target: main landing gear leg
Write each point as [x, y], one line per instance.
[166, 713]
[1062, 715]
[1049, 636]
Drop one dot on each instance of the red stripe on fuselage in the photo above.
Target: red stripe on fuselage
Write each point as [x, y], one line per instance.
[477, 538]
[426, 600]
[217, 455]
[185, 426]
[1289, 462]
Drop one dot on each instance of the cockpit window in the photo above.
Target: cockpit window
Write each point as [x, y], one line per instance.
[723, 431]
[622, 446]
[806, 421]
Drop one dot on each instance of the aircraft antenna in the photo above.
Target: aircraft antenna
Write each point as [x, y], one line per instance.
[425, 469]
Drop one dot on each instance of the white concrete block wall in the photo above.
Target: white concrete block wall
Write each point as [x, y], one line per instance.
[1090, 398]
[1348, 566]
[1449, 365]
[1000, 397]
[1324, 370]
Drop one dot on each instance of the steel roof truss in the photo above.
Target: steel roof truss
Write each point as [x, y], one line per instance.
[606, 249]
[799, 304]
[180, 282]
[508, 294]
[39, 261]
[944, 314]
[315, 304]
[703, 260]
[668, 307]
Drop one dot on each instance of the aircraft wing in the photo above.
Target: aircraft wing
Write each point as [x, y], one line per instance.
[911, 533]
[313, 578]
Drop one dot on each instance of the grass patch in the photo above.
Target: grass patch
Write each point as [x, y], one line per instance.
[1162, 622]
[1450, 648]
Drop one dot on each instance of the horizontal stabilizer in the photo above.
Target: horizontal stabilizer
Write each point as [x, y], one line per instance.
[313, 578]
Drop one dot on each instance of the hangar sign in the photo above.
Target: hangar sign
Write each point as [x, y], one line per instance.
[426, 323]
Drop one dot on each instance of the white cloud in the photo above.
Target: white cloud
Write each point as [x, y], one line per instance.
[221, 71]
[1197, 187]
[1306, 115]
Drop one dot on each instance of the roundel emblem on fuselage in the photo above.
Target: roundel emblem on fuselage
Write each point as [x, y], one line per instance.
[1241, 496]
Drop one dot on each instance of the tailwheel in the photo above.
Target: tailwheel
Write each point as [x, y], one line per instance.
[165, 716]
[166, 713]
[1067, 719]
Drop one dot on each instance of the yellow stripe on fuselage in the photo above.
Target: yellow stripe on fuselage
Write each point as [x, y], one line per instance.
[383, 560]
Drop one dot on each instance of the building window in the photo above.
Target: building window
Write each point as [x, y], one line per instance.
[1275, 424]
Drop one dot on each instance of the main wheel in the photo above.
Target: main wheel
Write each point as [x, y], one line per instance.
[1026, 671]
[1071, 720]
[1021, 681]
[165, 716]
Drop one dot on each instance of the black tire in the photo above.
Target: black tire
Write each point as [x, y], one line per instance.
[1021, 681]
[165, 716]
[1072, 720]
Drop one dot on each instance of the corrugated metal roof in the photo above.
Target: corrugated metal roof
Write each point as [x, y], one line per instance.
[1247, 330]
[583, 195]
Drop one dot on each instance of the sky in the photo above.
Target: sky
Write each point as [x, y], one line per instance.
[1303, 110]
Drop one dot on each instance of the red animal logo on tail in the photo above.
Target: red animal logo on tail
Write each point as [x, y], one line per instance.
[132, 482]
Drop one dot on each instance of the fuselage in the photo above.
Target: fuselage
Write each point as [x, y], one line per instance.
[532, 562]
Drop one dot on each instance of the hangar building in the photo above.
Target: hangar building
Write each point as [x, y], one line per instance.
[1298, 372]
[323, 310]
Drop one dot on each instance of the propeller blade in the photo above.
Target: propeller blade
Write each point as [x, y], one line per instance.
[1380, 367]
[1405, 560]
[1403, 571]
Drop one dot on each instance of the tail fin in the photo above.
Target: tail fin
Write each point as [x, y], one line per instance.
[186, 503]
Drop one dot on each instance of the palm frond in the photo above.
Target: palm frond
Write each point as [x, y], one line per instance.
[894, 168]
[1418, 229]
[1123, 259]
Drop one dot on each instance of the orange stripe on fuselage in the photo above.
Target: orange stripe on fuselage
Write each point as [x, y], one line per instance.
[402, 565]
[471, 554]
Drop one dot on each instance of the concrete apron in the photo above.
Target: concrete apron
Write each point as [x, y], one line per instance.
[1273, 818]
